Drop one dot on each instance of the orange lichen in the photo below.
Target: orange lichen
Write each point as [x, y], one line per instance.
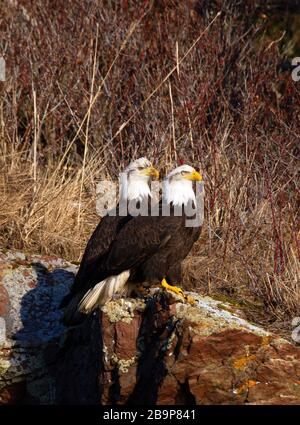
[242, 362]
[250, 383]
[265, 340]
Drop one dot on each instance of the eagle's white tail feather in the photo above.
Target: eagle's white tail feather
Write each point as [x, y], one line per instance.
[103, 291]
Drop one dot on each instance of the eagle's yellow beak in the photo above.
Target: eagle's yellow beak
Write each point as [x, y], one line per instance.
[194, 176]
[150, 172]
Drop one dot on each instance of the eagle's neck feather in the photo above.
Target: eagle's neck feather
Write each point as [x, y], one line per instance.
[178, 192]
[134, 189]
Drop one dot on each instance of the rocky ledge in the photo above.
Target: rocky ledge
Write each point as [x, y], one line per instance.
[156, 350]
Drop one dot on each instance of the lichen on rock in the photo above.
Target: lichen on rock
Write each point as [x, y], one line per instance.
[123, 310]
[157, 350]
[123, 365]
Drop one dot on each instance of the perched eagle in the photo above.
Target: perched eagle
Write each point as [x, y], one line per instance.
[138, 250]
[135, 188]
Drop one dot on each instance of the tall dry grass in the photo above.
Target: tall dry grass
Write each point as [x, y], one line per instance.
[92, 84]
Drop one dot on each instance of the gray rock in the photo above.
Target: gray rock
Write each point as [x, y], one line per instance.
[30, 322]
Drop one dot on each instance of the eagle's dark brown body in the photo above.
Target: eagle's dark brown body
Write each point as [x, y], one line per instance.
[151, 247]
[155, 254]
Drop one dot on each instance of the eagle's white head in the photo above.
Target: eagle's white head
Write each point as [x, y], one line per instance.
[135, 180]
[178, 185]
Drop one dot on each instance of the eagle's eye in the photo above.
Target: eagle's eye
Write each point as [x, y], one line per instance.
[140, 168]
[183, 173]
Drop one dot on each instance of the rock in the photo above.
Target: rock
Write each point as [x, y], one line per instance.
[174, 353]
[31, 289]
[153, 351]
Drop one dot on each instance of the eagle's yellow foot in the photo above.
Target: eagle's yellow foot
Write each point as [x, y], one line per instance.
[178, 291]
[190, 300]
[171, 288]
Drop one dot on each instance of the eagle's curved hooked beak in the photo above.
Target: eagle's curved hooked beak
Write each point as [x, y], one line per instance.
[194, 176]
[151, 172]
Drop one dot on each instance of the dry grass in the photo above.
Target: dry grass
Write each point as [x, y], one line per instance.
[225, 107]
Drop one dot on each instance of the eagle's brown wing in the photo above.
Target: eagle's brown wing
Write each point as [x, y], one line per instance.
[132, 246]
[141, 238]
[90, 271]
[155, 246]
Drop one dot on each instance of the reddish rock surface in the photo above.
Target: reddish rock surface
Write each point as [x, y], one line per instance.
[200, 358]
[4, 301]
[154, 351]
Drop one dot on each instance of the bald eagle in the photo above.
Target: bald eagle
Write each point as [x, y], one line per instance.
[137, 250]
[135, 188]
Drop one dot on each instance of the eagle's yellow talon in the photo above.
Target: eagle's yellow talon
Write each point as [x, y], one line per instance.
[175, 289]
[178, 291]
[190, 300]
